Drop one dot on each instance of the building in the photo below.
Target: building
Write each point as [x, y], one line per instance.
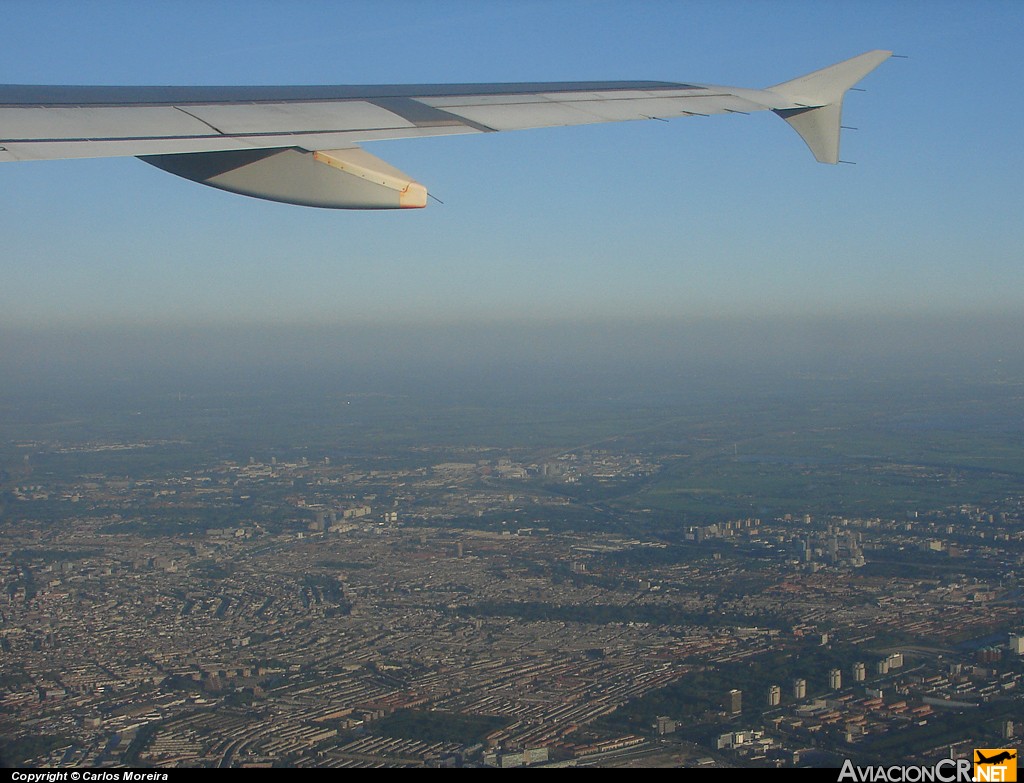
[835, 679]
[520, 759]
[1017, 643]
[799, 689]
[734, 702]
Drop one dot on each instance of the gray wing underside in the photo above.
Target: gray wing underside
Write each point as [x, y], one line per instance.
[299, 144]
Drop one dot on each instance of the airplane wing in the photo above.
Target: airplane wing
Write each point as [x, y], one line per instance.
[299, 145]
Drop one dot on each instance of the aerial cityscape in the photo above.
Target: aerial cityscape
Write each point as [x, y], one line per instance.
[473, 570]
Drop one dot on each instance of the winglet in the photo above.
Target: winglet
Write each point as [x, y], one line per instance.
[813, 104]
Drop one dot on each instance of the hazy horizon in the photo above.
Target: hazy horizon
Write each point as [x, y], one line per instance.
[582, 351]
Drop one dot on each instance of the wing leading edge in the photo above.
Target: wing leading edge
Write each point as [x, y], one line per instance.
[299, 144]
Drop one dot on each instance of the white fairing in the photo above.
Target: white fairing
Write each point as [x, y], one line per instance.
[298, 144]
[335, 179]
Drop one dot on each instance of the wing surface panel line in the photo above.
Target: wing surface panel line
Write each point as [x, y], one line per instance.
[200, 119]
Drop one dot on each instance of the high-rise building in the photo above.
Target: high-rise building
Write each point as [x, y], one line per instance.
[800, 689]
[859, 672]
[734, 701]
[835, 679]
[774, 696]
[1017, 643]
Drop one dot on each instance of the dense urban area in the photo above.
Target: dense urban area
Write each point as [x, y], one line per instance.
[503, 607]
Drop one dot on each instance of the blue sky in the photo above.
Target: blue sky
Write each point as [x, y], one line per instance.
[697, 218]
